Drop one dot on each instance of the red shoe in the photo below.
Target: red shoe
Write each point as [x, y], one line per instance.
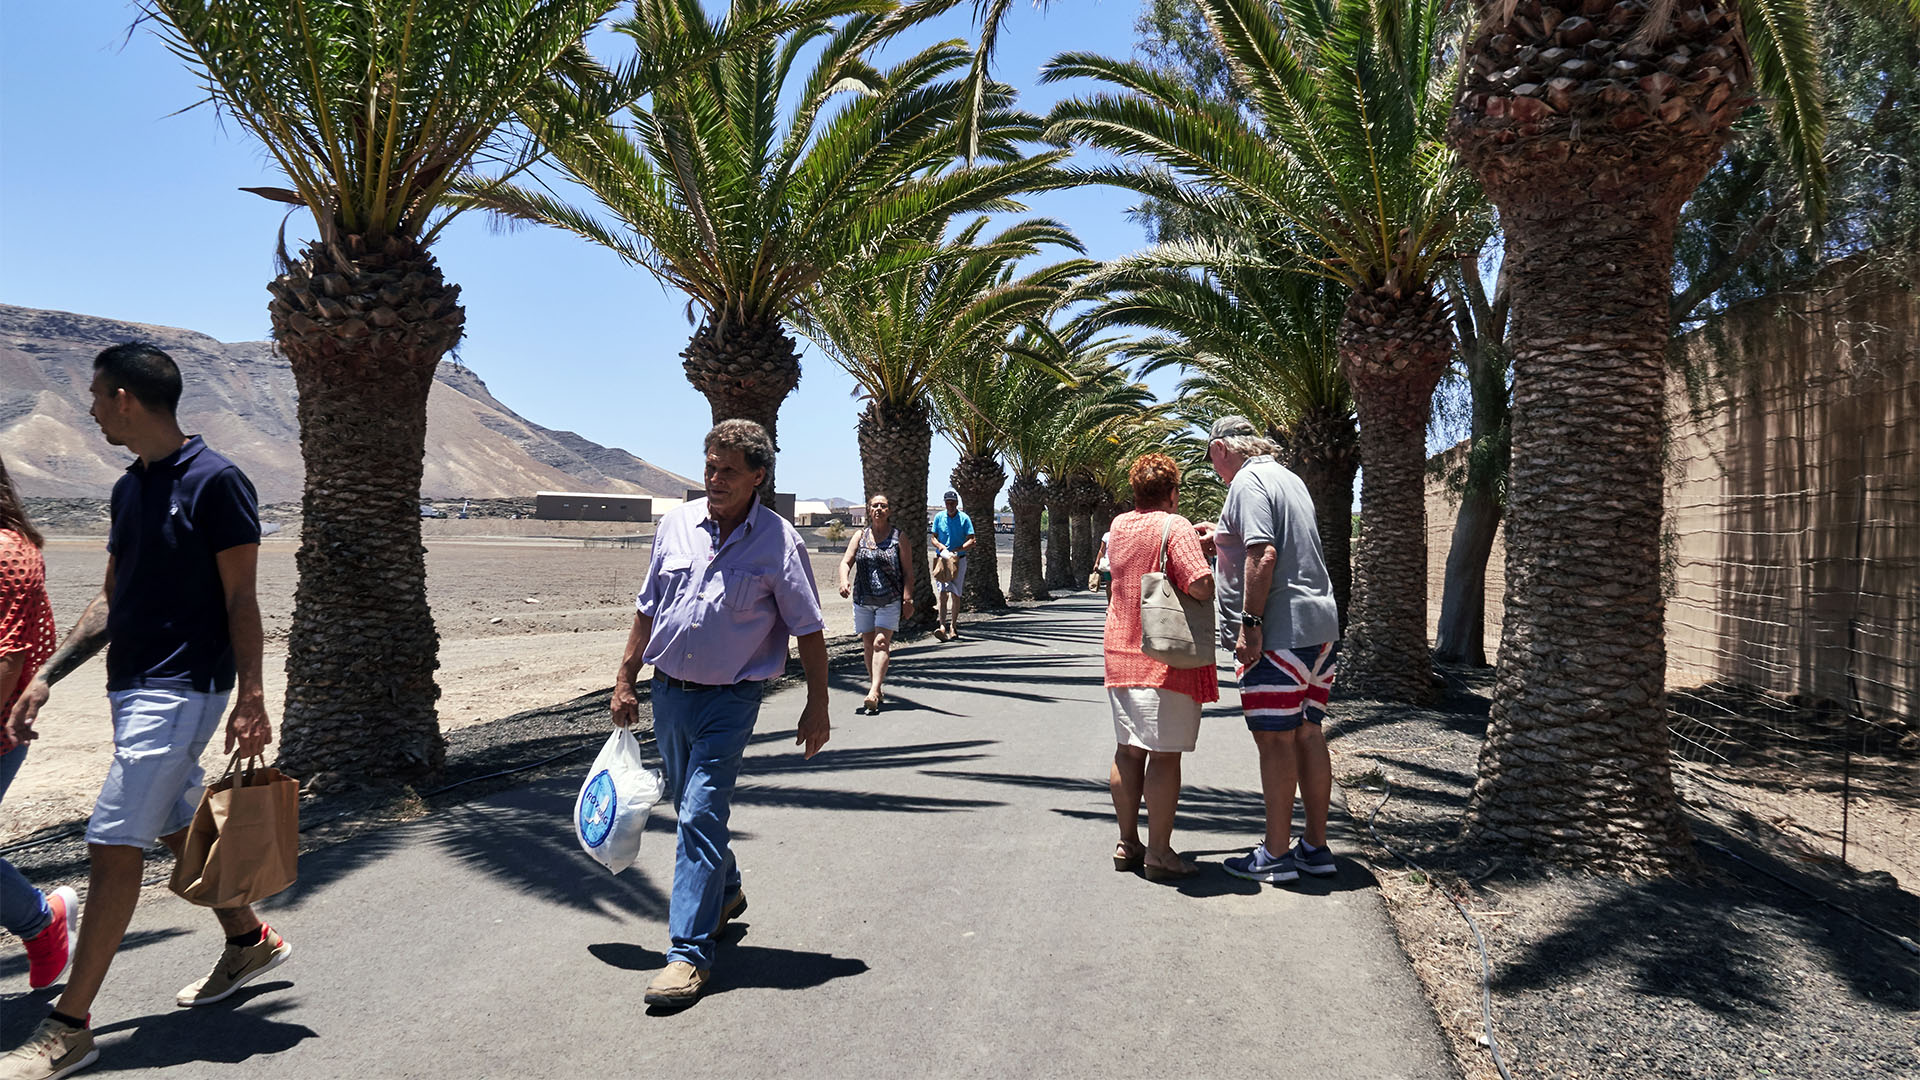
[50, 952]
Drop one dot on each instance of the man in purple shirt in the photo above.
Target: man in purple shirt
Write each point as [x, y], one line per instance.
[728, 583]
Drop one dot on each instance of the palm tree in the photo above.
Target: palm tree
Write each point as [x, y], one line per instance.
[1338, 160]
[1082, 439]
[1589, 129]
[991, 410]
[373, 110]
[1254, 339]
[914, 329]
[746, 215]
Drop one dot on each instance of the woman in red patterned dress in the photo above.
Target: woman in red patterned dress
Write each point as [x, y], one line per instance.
[1156, 709]
[45, 922]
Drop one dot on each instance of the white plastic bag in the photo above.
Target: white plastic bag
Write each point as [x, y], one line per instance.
[611, 812]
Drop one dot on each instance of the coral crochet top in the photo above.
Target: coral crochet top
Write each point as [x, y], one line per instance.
[1132, 550]
[26, 616]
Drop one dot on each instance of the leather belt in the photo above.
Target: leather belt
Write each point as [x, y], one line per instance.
[684, 684]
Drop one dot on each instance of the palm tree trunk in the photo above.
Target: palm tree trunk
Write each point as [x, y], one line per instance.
[1393, 350]
[979, 479]
[1589, 186]
[1059, 536]
[1086, 494]
[1029, 579]
[363, 336]
[745, 371]
[896, 441]
[1326, 454]
[1463, 599]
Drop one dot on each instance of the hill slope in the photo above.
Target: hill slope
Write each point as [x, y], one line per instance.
[241, 397]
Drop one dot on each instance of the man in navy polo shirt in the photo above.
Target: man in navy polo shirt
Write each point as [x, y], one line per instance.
[180, 613]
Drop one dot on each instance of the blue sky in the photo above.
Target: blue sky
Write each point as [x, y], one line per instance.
[111, 205]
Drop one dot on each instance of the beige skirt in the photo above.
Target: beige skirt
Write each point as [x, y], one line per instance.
[1161, 721]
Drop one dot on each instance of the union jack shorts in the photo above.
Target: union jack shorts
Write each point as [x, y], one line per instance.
[1288, 686]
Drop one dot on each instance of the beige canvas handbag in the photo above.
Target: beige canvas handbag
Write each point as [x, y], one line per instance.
[1175, 629]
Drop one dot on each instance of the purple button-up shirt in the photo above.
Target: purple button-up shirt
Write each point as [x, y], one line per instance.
[722, 613]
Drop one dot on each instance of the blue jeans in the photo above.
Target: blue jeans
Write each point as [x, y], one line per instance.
[23, 908]
[702, 735]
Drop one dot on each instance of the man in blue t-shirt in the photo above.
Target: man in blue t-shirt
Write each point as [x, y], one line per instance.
[952, 538]
[181, 624]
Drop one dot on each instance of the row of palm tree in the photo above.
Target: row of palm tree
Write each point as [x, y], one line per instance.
[764, 166]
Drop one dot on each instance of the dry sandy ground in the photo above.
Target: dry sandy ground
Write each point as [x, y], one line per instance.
[523, 622]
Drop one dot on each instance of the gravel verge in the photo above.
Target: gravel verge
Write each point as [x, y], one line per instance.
[1731, 973]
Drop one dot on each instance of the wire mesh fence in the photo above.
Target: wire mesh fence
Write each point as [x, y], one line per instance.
[1792, 570]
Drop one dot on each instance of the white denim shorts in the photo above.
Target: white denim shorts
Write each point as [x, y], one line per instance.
[868, 619]
[155, 782]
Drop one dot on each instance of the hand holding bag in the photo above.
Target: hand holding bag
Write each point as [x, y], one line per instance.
[244, 843]
[1175, 629]
[945, 568]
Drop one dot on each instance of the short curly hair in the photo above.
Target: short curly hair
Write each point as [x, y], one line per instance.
[749, 438]
[1154, 478]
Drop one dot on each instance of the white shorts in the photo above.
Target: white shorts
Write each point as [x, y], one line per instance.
[1161, 721]
[959, 580]
[868, 619]
[154, 784]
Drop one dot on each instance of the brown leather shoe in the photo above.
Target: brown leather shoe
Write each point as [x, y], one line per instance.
[679, 983]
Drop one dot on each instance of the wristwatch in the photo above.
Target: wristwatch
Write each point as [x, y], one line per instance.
[1252, 620]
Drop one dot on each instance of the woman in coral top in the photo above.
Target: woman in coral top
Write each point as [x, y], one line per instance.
[45, 922]
[1156, 709]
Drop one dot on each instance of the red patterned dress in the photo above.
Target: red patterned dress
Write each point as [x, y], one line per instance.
[26, 616]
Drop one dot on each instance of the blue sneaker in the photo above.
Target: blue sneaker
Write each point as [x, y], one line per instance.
[1318, 862]
[1258, 865]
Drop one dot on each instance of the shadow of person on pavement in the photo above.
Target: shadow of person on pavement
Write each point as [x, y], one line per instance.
[228, 1034]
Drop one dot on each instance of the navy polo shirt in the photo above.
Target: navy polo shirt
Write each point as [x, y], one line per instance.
[167, 617]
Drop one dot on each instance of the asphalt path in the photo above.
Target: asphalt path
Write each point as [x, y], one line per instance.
[931, 896]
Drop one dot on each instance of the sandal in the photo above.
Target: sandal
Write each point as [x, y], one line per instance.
[1126, 860]
[1185, 870]
[870, 707]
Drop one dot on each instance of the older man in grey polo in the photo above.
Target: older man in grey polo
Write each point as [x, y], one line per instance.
[1279, 617]
[728, 583]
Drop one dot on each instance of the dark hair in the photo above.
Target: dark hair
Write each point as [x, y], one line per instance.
[144, 371]
[749, 438]
[12, 514]
[1153, 478]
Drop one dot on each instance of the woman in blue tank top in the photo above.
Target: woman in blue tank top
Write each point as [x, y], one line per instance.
[880, 582]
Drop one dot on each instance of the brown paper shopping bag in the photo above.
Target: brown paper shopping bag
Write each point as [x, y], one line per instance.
[244, 843]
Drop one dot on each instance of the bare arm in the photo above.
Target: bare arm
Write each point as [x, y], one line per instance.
[846, 565]
[814, 726]
[1261, 559]
[626, 702]
[1201, 588]
[248, 728]
[88, 636]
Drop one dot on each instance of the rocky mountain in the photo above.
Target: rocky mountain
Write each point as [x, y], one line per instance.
[241, 397]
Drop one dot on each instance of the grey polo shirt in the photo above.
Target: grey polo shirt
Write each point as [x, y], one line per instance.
[1268, 504]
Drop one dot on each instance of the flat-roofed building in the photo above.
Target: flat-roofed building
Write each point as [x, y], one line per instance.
[591, 506]
[782, 501]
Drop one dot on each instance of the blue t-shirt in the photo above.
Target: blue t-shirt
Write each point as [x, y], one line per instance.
[167, 617]
[952, 530]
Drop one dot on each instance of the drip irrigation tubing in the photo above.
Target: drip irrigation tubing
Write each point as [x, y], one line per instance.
[1906, 943]
[1486, 964]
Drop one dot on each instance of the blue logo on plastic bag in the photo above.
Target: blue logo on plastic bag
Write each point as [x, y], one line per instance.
[597, 806]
